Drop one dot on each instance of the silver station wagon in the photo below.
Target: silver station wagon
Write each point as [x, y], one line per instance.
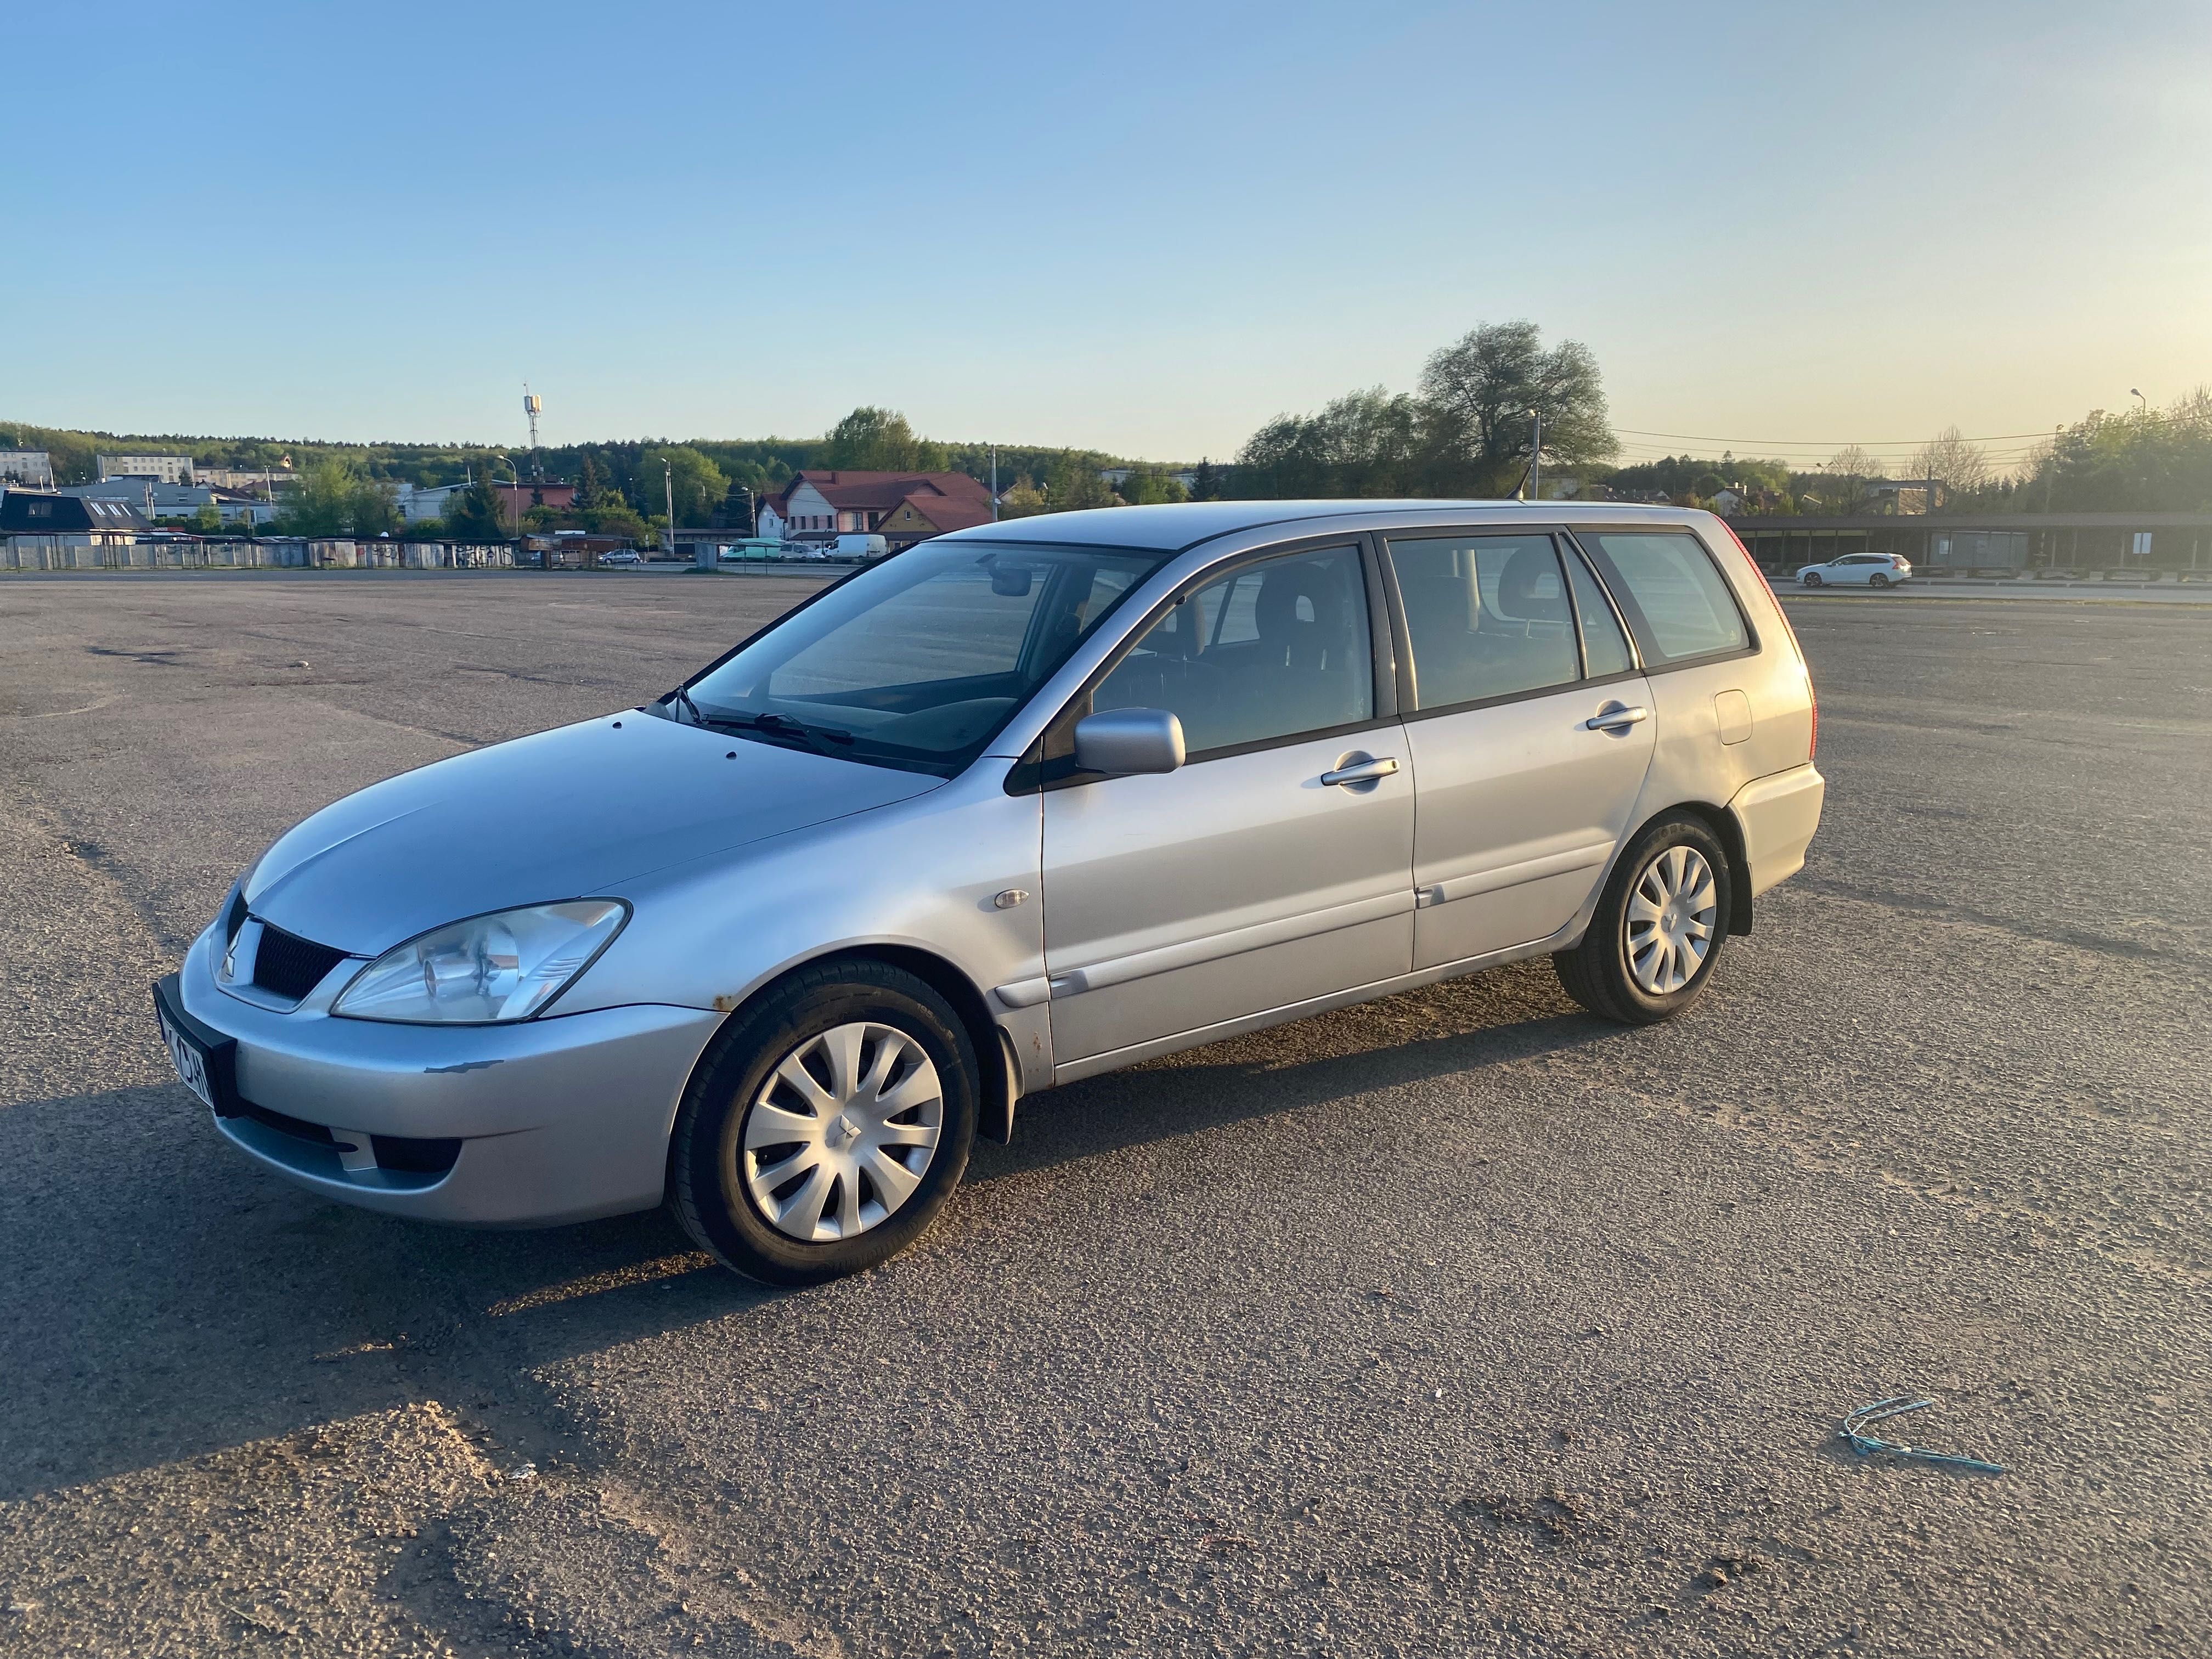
[1019, 805]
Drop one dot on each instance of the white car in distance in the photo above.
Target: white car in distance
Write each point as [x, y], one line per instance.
[1866, 569]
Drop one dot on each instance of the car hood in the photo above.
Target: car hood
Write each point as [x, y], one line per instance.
[570, 814]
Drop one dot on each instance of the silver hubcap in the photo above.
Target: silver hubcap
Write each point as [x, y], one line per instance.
[1670, 920]
[842, 1133]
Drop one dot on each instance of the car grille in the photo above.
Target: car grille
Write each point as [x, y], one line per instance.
[290, 967]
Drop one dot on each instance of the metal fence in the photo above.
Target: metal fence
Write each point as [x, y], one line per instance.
[89, 552]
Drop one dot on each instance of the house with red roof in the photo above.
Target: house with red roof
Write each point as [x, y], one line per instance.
[820, 504]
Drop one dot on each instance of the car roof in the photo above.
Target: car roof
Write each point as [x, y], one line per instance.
[1186, 524]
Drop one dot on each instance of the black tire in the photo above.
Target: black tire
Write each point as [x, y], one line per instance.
[707, 1189]
[1877, 580]
[1595, 973]
[1810, 578]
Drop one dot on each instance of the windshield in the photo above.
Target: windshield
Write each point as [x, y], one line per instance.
[917, 662]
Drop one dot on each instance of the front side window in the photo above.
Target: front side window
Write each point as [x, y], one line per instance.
[1678, 604]
[1270, 651]
[918, 661]
[1486, 616]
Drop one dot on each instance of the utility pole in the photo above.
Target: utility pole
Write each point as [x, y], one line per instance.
[668, 480]
[1536, 458]
[994, 483]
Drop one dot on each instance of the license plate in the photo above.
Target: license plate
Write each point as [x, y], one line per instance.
[203, 1069]
[192, 1064]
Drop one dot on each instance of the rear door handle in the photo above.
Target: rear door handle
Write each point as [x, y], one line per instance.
[1366, 771]
[1613, 717]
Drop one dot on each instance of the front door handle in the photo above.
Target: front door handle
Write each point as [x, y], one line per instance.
[1362, 771]
[1616, 717]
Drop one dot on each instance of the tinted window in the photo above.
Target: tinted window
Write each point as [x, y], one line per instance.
[917, 661]
[1269, 651]
[1605, 647]
[1488, 616]
[1676, 600]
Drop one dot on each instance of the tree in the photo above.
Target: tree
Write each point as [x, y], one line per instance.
[1207, 484]
[1148, 485]
[1960, 466]
[476, 515]
[1840, 488]
[208, 520]
[1480, 392]
[697, 484]
[873, 439]
[1024, 500]
[334, 500]
[1365, 443]
[590, 483]
[1076, 484]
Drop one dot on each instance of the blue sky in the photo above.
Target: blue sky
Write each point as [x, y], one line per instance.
[1145, 228]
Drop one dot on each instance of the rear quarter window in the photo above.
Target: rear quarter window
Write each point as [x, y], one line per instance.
[1678, 604]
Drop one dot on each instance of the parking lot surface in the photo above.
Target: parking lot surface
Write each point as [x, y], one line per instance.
[1457, 1323]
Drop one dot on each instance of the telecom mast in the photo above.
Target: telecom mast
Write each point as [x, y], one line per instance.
[533, 406]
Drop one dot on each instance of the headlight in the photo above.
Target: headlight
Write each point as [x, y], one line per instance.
[504, 966]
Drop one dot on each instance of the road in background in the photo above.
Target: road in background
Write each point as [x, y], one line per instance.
[1461, 1322]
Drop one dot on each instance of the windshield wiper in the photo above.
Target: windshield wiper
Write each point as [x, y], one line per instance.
[780, 726]
[775, 725]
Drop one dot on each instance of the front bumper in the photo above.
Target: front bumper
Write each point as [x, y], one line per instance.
[559, 1120]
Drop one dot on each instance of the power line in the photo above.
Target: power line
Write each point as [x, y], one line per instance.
[1891, 444]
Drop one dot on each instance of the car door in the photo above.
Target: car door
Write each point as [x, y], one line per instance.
[1713, 692]
[1248, 879]
[1528, 724]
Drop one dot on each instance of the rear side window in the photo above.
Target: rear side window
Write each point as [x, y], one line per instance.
[1677, 602]
[1486, 616]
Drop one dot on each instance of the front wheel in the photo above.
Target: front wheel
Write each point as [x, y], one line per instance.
[1657, 929]
[829, 1125]
[1810, 578]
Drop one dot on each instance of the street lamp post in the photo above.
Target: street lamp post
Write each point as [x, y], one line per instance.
[2139, 397]
[668, 482]
[1536, 458]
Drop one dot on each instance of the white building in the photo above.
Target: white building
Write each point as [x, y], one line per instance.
[26, 469]
[167, 469]
[418, 504]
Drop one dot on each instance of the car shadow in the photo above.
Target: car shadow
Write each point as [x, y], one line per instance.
[166, 1298]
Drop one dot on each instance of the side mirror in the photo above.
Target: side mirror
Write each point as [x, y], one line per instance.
[1010, 581]
[1129, 740]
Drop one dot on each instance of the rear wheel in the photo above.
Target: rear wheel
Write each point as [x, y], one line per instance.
[1657, 929]
[829, 1125]
[1810, 578]
[1878, 580]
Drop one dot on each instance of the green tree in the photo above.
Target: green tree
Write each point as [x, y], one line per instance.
[615, 517]
[698, 484]
[1024, 500]
[333, 499]
[208, 520]
[1076, 484]
[1149, 485]
[1365, 443]
[1478, 391]
[590, 483]
[1207, 484]
[477, 513]
[873, 439]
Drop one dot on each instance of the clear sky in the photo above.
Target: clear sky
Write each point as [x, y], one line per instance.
[1145, 227]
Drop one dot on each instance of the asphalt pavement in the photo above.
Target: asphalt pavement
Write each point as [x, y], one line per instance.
[1457, 1323]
